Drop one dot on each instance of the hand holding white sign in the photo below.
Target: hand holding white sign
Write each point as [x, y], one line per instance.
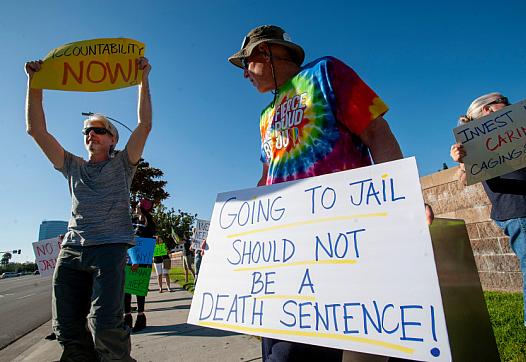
[200, 233]
[493, 145]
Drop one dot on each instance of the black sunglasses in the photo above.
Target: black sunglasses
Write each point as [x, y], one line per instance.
[97, 130]
[503, 100]
[245, 62]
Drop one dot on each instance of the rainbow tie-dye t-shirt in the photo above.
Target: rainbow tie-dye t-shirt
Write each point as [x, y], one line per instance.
[313, 126]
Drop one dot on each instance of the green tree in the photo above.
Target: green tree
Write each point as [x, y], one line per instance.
[173, 226]
[26, 267]
[5, 258]
[147, 183]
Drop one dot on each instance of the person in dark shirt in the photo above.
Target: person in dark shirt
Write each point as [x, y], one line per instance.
[188, 258]
[144, 227]
[507, 193]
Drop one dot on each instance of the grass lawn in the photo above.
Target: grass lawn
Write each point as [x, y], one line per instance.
[505, 310]
[177, 275]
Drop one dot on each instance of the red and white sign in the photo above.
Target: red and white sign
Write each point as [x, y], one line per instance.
[46, 253]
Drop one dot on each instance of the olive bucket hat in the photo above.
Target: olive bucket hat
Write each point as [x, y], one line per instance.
[266, 34]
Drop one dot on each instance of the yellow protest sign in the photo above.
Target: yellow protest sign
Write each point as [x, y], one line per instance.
[91, 66]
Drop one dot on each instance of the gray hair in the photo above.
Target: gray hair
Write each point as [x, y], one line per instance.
[98, 117]
[475, 108]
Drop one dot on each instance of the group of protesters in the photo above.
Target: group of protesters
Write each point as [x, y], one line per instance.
[347, 130]
[145, 227]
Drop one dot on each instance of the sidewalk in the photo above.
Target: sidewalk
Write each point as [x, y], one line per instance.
[167, 338]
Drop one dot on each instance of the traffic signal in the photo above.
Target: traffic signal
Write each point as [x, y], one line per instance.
[19, 251]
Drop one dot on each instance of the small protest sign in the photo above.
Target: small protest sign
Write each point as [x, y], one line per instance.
[137, 282]
[343, 260]
[142, 252]
[91, 66]
[46, 254]
[495, 144]
[137, 279]
[201, 231]
[160, 250]
[196, 245]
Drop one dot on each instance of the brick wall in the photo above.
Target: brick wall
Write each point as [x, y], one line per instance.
[497, 264]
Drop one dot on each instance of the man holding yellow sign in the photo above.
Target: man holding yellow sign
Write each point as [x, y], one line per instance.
[88, 283]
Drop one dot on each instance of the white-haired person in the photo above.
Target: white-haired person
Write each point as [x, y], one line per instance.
[88, 282]
[506, 193]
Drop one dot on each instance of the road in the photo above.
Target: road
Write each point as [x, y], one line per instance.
[25, 303]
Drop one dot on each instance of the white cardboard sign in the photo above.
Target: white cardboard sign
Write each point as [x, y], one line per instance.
[342, 260]
[201, 232]
[495, 144]
[46, 254]
[201, 227]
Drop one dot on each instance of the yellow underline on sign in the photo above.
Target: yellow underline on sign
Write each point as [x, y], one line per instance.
[343, 337]
[309, 222]
[306, 262]
[308, 298]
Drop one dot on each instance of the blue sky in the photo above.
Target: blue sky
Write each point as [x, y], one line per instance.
[427, 60]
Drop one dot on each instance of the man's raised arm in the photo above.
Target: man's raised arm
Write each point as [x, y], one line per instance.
[36, 120]
[138, 137]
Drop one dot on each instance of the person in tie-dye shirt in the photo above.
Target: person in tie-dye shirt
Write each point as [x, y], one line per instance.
[323, 119]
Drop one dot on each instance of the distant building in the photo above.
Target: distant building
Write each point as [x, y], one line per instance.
[52, 228]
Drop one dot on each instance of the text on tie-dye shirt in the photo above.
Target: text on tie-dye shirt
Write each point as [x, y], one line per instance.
[314, 126]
